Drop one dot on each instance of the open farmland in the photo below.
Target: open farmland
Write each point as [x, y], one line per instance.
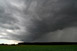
[38, 48]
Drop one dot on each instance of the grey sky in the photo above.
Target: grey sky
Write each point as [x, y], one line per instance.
[38, 20]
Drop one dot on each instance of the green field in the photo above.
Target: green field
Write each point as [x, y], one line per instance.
[39, 48]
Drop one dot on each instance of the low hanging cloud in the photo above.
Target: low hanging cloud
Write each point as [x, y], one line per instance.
[38, 20]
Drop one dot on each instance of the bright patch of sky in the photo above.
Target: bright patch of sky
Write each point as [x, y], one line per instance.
[5, 41]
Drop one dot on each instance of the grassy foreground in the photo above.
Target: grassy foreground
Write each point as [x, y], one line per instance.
[39, 48]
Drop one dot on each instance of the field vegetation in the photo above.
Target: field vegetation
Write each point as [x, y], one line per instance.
[38, 47]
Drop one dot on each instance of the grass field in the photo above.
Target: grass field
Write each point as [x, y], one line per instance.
[39, 48]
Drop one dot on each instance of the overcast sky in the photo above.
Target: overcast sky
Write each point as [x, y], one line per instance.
[38, 20]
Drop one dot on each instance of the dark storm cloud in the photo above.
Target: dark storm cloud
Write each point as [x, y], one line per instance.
[53, 15]
[33, 19]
